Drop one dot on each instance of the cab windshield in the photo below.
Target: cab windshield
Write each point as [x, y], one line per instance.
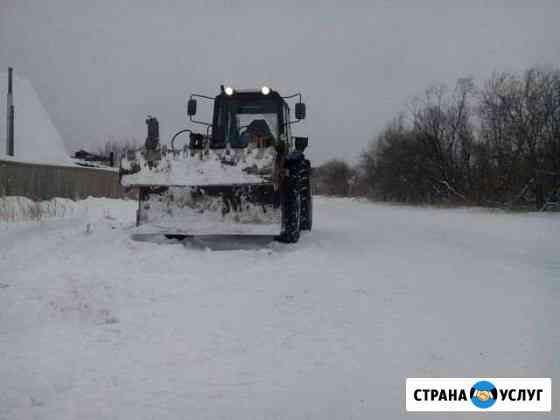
[254, 122]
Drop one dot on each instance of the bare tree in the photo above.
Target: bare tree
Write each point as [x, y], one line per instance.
[118, 147]
[520, 117]
[470, 145]
[333, 178]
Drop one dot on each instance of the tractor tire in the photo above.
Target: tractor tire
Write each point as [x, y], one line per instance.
[306, 197]
[291, 212]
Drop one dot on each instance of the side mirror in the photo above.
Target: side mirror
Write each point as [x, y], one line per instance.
[301, 143]
[300, 111]
[191, 107]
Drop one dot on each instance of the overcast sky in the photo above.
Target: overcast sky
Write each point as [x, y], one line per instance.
[100, 66]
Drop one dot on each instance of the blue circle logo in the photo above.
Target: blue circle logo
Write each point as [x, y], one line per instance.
[483, 394]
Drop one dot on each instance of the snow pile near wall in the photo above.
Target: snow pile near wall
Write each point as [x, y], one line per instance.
[36, 138]
[19, 209]
[22, 209]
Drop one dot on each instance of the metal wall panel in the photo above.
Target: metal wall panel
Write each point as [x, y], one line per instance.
[43, 182]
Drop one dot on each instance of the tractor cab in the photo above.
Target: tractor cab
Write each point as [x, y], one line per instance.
[242, 118]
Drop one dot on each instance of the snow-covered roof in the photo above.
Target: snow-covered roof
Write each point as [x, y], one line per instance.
[35, 136]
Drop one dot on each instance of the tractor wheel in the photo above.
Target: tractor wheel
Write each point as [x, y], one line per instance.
[306, 198]
[291, 213]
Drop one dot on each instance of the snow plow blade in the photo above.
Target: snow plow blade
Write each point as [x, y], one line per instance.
[246, 209]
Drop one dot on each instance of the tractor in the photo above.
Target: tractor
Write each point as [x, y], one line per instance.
[245, 174]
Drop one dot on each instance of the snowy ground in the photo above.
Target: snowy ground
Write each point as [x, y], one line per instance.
[94, 324]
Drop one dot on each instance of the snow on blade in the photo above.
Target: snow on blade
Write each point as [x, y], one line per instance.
[243, 166]
[177, 212]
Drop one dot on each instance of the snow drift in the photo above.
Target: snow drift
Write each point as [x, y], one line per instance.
[19, 209]
[36, 137]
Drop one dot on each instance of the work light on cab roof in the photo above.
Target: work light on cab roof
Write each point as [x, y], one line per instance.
[244, 173]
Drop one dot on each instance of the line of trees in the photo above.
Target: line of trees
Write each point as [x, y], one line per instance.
[118, 147]
[482, 145]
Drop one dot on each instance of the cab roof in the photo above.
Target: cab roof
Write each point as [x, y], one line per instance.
[253, 94]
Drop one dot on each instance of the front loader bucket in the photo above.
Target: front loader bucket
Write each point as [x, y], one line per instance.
[205, 191]
[244, 209]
